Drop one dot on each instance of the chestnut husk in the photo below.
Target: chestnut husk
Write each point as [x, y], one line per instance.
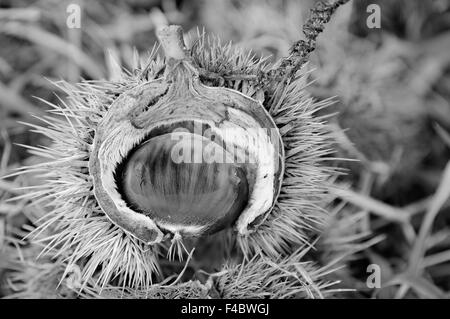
[180, 96]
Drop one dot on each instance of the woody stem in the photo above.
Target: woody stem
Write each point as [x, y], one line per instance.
[171, 39]
[299, 53]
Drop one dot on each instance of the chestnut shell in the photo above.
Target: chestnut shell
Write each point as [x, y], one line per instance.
[180, 97]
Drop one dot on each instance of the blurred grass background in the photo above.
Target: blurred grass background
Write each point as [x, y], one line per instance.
[392, 85]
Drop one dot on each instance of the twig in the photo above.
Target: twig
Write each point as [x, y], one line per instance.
[416, 259]
[184, 268]
[440, 197]
[436, 259]
[300, 50]
[372, 205]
